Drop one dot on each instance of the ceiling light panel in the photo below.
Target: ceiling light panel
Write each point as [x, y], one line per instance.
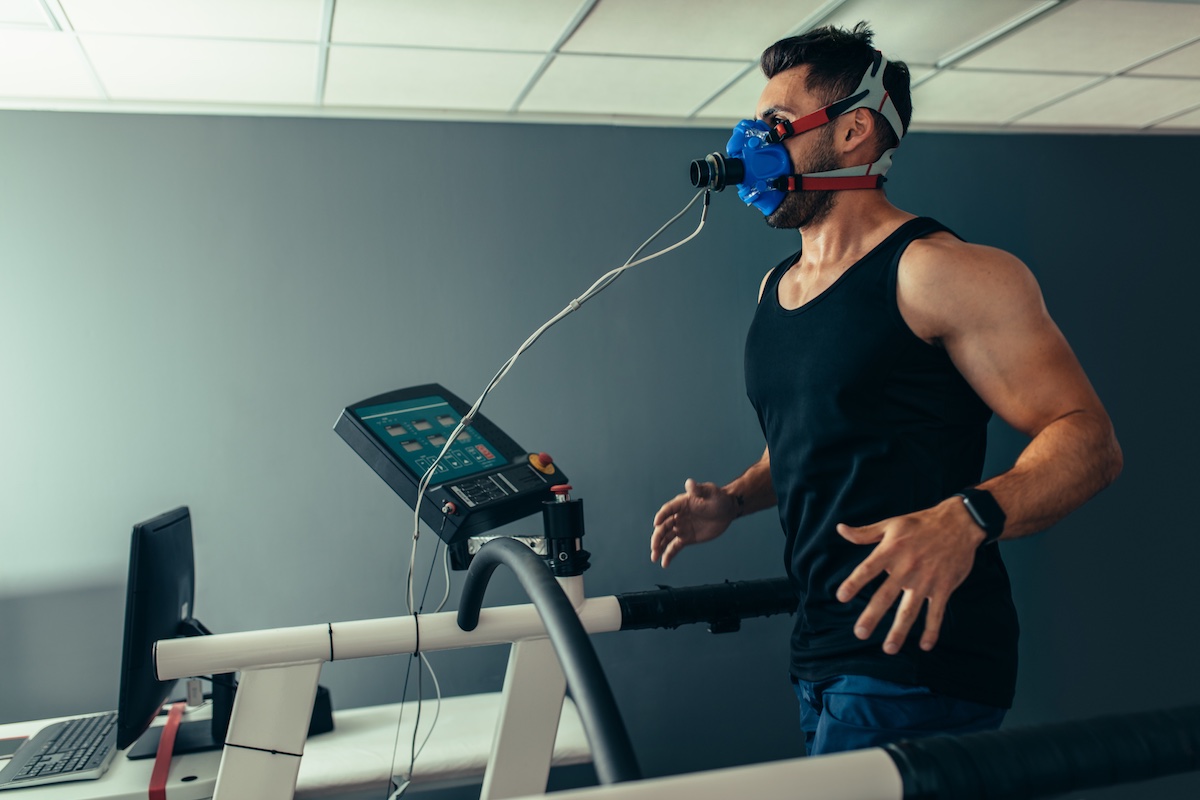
[532, 25]
[429, 79]
[22, 12]
[1181, 63]
[637, 86]
[1121, 103]
[1095, 36]
[925, 31]
[43, 64]
[204, 70]
[713, 29]
[957, 96]
[278, 20]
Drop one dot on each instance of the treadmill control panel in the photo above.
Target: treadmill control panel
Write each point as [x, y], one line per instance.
[484, 480]
[416, 431]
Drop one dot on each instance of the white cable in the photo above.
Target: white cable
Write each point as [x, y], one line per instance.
[600, 285]
[403, 787]
[436, 711]
[445, 594]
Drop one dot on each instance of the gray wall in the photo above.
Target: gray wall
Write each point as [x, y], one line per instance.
[187, 303]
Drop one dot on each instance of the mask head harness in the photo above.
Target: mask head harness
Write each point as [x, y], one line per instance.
[760, 166]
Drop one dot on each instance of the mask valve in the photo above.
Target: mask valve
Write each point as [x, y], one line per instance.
[715, 172]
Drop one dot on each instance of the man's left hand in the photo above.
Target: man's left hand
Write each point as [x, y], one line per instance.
[926, 554]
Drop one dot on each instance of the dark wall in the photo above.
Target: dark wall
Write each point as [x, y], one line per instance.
[216, 289]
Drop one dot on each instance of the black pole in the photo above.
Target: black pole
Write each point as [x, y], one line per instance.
[1049, 760]
[612, 752]
[721, 605]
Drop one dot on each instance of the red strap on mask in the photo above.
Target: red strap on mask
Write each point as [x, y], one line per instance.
[802, 183]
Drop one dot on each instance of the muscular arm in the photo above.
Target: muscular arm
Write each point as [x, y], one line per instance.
[992, 321]
[985, 308]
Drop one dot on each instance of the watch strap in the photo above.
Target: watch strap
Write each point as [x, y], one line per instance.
[985, 511]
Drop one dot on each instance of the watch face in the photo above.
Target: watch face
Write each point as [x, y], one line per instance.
[986, 512]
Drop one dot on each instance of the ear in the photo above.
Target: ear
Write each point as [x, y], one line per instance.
[857, 129]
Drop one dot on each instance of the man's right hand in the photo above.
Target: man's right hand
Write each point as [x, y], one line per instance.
[700, 514]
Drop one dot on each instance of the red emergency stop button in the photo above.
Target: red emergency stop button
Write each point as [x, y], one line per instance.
[542, 462]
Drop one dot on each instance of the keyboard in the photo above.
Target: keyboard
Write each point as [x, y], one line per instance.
[72, 750]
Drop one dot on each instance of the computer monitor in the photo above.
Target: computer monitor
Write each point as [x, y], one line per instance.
[159, 604]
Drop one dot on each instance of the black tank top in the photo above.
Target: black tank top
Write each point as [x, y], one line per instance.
[863, 421]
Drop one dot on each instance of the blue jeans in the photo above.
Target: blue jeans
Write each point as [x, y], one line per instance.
[852, 712]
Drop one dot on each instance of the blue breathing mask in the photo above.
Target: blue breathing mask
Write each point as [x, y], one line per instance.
[762, 163]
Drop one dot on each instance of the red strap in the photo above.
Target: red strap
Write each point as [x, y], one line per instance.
[785, 130]
[810, 121]
[162, 759]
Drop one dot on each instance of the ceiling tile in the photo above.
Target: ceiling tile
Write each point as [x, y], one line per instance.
[1183, 63]
[22, 12]
[904, 31]
[1122, 103]
[712, 29]
[288, 20]
[204, 70]
[533, 25]
[432, 79]
[1096, 36]
[44, 64]
[919, 72]
[739, 101]
[982, 97]
[660, 61]
[616, 85]
[1188, 121]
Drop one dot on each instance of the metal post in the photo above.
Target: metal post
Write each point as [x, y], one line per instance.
[530, 707]
[267, 731]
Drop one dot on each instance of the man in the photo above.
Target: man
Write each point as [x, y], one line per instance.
[876, 357]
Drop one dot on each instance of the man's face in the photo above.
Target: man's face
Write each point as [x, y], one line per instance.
[786, 98]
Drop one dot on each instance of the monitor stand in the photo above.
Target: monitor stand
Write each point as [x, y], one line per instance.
[192, 737]
[198, 736]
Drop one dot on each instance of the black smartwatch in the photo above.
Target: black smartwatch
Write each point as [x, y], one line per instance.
[986, 512]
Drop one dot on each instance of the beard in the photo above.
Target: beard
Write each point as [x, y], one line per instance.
[802, 208]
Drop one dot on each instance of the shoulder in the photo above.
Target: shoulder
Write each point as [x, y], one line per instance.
[782, 265]
[944, 284]
[762, 287]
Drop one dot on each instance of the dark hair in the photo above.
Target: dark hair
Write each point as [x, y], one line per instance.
[836, 60]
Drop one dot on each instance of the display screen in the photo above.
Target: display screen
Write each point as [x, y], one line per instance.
[416, 430]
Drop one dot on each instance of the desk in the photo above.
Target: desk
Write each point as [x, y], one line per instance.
[353, 760]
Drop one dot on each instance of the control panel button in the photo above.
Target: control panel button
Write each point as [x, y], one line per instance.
[542, 462]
